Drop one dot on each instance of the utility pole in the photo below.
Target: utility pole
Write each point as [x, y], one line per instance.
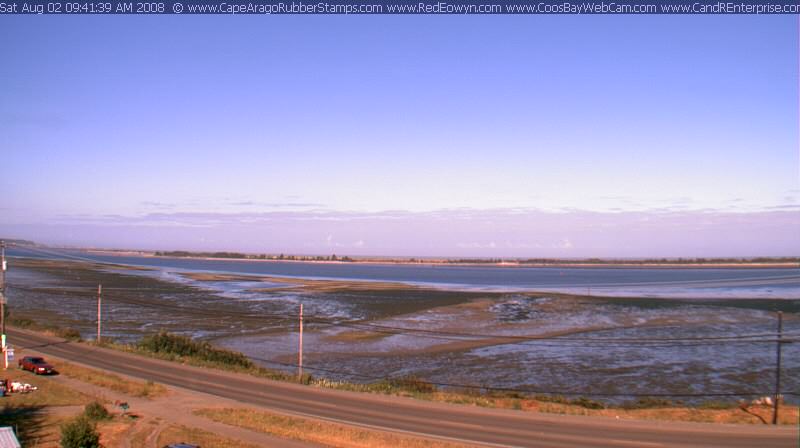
[99, 309]
[3, 302]
[300, 350]
[777, 370]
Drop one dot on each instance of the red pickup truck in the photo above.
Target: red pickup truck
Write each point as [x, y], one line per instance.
[36, 365]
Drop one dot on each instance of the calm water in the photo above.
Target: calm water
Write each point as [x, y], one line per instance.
[666, 282]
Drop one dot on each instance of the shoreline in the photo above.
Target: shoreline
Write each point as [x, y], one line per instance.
[501, 264]
[322, 284]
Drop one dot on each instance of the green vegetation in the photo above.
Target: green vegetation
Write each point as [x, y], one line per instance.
[182, 346]
[80, 433]
[95, 411]
[718, 405]
[650, 403]
[616, 261]
[522, 261]
[243, 256]
[411, 383]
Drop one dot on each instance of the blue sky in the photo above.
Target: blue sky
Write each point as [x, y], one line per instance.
[519, 136]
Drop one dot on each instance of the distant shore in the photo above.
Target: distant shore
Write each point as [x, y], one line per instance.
[727, 263]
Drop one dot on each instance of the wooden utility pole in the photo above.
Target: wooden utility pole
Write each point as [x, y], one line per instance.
[777, 370]
[99, 309]
[3, 290]
[3, 302]
[300, 350]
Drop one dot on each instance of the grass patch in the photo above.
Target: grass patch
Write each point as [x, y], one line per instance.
[650, 403]
[313, 431]
[177, 434]
[356, 336]
[408, 386]
[134, 388]
[49, 393]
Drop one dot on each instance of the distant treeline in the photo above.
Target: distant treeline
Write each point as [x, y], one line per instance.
[526, 261]
[182, 253]
[630, 261]
[11, 241]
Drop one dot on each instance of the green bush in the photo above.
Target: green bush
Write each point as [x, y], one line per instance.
[587, 403]
[176, 345]
[650, 402]
[79, 433]
[717, 405]
[69, 334]
[412, 383]
[22, 322]
[95, 411]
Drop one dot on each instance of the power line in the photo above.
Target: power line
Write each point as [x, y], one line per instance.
[518, 390]
[449, 335]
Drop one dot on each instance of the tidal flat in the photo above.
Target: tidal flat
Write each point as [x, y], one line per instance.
[363, 331]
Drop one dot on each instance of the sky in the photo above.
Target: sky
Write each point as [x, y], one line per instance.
[489, 136]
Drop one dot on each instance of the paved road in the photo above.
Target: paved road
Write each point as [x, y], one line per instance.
[491, 427]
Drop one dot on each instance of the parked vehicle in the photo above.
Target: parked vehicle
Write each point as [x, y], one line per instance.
[36, 364]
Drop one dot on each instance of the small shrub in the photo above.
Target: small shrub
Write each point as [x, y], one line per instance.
[648, 403]
[149, 387]
[95, 411]
[412, 383]
[558, 399]
[79, 433]
[70, 334]
[22, 322]
[587, 403]
[717, 405]
[306, 379]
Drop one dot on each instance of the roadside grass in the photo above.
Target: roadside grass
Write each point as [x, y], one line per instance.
[195, 436]
[134, 388]
[49, 392]
[788, 415]
[320, 432]
[645, 408]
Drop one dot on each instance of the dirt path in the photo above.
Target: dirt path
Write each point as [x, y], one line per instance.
[175, 407]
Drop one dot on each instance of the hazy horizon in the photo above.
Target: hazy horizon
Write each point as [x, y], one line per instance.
[558, 136]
